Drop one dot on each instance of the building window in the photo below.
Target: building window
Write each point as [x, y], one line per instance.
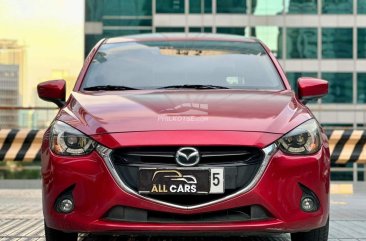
[302, 43]
[170, 29]
[361, 6]
[340, 88]
[90, 41]
[200, 30]
[361, 88]
[231, 6]
[123, 32]
[169, 6]
[116, 15]
[267, 7]
[302, 7]
[96, 9]
[337, 7]
[93, 10]
[337, 43]
[292, 77]
[200, 6]
[270, 36]
[231, 30]
[128, 22]
[128, 7]
[361, 39]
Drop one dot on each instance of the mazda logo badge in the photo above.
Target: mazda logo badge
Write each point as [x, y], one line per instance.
[187, 156]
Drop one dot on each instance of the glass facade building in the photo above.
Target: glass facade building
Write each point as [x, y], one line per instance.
[11, 81]
[315, 38]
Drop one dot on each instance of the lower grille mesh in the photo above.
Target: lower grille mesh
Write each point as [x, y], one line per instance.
[120, 213]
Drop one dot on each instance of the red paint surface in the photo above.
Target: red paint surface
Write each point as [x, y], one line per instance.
[150, 110]
[311, 87]
[96, 192]
[53, 89]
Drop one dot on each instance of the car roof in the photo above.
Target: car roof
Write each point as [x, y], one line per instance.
[181, 37]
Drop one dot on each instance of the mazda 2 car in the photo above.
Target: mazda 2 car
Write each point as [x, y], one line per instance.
[184, 135]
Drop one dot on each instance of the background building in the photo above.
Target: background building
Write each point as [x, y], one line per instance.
[316, 38]
[11, 76]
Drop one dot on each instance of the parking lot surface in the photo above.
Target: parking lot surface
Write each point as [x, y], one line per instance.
[21, 218]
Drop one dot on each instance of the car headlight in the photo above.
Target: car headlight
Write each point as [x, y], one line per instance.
[67, 141]
[304, 139]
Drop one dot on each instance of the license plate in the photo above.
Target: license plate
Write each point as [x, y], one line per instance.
[181, 181]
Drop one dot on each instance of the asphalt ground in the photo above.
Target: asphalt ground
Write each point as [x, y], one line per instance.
[21, 216]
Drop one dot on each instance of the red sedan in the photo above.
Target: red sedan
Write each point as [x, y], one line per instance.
[184, 135]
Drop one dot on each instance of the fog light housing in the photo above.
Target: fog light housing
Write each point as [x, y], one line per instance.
[65, 201]
[308, 204]
[309, 201]
[65, 205]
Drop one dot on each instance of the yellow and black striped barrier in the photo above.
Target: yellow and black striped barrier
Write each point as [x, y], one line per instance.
[346, 146]
[20, 145]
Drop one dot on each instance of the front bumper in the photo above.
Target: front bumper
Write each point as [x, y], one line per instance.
[96, 191]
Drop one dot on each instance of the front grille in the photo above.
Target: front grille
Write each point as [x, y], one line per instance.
[241, 164]
[217, 155]
[120, 213]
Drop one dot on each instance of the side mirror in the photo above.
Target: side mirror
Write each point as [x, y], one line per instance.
[53, 91]
[311, 88]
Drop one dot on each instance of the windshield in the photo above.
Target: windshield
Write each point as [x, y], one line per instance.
[152, 65]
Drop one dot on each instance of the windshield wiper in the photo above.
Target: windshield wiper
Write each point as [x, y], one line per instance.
[109, 87]
[198, 87]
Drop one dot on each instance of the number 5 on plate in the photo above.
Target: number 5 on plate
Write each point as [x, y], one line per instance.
[217, 180]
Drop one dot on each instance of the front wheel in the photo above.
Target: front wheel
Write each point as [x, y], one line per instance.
[57, 235]
[320, 234]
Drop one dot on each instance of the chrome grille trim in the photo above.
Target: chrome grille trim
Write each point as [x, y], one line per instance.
[226, 154]
[105, 152]
[149, 154]
[204, 154]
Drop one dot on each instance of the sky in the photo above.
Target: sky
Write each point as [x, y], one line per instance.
[52, 33]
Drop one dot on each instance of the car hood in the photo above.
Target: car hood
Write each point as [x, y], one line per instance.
[164, 110]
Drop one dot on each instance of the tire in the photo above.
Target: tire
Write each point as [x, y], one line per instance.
[320, 234]
[56, 235]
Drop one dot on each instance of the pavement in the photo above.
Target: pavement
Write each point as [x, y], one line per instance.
[21, 215]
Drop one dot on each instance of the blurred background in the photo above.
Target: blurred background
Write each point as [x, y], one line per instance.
[39, 40]
[42, 40]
